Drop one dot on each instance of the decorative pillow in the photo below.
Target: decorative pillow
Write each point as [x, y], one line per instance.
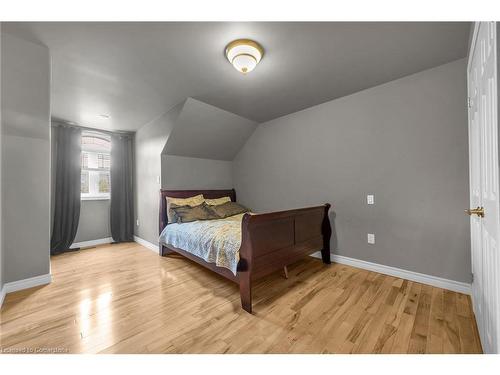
[217, 201]
[191, 201]
[228, 209]
[186, 214]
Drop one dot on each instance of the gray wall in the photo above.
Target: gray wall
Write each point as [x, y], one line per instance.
[404, 141]
[204, 131]
[25, 101]
[1, 181]
[170, 150]
[149, 143]
[94, 214]
[179, 172]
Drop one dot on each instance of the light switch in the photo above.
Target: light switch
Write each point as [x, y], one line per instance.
[370, 199]
[157, 179]
[371, 238]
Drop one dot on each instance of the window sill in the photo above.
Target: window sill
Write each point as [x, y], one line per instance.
[95, 198]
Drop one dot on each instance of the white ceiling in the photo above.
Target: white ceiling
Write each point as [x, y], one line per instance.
[136, 71]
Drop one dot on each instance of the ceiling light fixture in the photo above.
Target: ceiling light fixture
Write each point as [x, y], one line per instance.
[105, 116]
[244, 54]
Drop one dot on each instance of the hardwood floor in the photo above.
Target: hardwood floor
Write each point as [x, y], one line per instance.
[126, 299]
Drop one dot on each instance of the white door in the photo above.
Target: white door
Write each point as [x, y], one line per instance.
[484, 196]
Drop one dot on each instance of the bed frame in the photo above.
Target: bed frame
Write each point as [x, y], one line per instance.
[270, 241]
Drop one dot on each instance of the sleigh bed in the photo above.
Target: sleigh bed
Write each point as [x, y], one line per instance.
[269, 241]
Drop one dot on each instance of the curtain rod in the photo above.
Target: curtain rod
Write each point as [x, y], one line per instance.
[56, 122]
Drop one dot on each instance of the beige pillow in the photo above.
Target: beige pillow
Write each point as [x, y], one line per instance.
[217, 201]
[191, 201]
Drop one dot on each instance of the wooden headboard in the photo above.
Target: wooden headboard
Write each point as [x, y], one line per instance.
[210, 194]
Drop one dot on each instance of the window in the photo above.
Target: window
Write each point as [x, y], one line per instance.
[96, 163]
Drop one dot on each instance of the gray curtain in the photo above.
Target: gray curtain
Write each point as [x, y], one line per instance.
[122, 200]
[67, 189]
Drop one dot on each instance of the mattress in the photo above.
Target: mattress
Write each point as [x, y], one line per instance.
[215, 241]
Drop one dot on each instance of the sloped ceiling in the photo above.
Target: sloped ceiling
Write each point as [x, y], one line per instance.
[204, 131]
[135, 71]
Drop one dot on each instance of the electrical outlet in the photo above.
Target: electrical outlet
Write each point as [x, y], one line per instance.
[370, 199]
[137, 222]
[371, 238]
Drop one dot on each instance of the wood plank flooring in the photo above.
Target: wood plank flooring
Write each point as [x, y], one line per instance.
[126, 299]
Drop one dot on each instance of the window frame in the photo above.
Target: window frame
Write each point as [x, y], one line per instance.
[94, 173]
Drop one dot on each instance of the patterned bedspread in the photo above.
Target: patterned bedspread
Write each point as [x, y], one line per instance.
[215, 241]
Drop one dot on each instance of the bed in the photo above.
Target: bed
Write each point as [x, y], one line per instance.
[267, 242]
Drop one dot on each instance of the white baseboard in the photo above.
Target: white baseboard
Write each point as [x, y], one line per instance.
[14, 286]
[91, 243]
[147, 244]
[2, 295]
[439, 282]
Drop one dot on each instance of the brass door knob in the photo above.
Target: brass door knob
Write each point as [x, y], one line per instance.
[479, 211]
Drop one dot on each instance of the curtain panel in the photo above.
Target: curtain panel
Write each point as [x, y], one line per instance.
[122, 198]
[67, 189]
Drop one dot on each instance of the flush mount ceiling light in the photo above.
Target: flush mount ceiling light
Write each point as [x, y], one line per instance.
[244, 54]
[104, 116]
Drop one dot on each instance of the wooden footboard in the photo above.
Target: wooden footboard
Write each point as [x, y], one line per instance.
[270, 241]
[273, 240]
